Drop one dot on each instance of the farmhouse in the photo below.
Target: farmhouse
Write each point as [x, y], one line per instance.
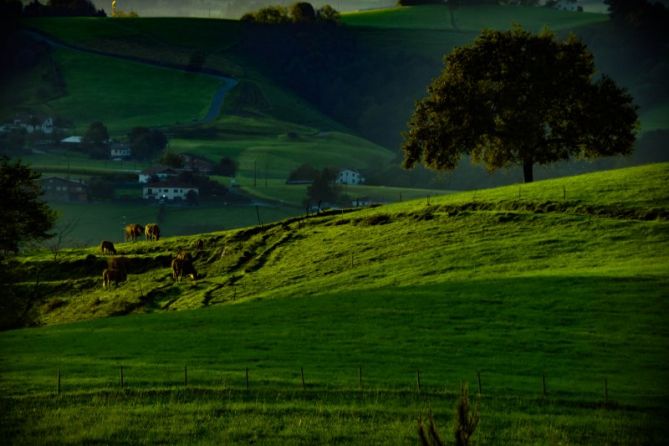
[119, 152]
[61, 189]
[349, 176]
[157, 173]
[30, 124]
[169, 190]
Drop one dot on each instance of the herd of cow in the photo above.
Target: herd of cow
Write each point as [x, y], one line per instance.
[117, 270]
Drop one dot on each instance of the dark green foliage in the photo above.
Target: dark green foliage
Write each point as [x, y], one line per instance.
[323, 189]
[328, 14]
[299, 13]
[95, 140]
[146, 143]
[13, 141]
[172, 159]
[302, 12]
[514, 97]
[25, 217]
[304, 173]
[68, 8]
[466, 418]
[226, 167]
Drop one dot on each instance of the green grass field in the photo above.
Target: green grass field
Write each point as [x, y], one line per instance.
[125, 94]
[471, 18]
[571, 287]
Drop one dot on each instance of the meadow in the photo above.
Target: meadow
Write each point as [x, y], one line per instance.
[563, 279]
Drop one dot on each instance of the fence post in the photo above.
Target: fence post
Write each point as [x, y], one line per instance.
[478, 377]
[418, 379]
[302, 373]
[247, 378]
[58, 382]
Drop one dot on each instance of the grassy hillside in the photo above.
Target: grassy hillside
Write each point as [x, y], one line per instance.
[565, 278]
[471, 18]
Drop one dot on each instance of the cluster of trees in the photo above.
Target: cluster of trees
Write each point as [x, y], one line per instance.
[300, 12]
[52, 8]
[146, 143]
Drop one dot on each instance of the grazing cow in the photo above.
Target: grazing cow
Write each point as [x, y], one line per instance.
[152, 232]
[182, 266]
[112, 275]
[107, 247]
[132, 231]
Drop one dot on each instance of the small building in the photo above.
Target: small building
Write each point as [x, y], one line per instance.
[157, 173]
[168, 190]
[61, 189]
[119, 152]
[349, 176]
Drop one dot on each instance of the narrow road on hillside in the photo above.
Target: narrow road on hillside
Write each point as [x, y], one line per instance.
[227, 83]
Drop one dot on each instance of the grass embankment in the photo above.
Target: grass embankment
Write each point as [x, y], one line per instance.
[513, 287]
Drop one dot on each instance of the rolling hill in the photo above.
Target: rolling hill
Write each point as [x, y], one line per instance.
[564, 278]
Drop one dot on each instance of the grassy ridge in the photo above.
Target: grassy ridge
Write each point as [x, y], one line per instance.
[506, 286]
[471, 18]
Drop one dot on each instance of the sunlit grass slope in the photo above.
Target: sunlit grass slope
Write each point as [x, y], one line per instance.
[471, 18]
[125, 94]
[565, 278]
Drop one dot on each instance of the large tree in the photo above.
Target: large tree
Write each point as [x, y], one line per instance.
[25, 217]
[513, 97]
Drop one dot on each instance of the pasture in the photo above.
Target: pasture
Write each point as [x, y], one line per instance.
[514, 287]
[471, 18]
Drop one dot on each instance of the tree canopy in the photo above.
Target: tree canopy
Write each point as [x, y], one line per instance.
[146, 143]
[513, 97]
[25, 217]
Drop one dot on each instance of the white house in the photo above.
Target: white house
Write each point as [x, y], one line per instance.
[168, 190]
[119, 152]
[162, 173]
[349, 176]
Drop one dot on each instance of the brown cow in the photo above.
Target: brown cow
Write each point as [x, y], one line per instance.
[152, 232]
[182, 266]
[132, 231]
[107, 247]
[113, 275]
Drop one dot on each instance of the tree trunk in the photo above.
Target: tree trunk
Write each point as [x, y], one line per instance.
[527, 171]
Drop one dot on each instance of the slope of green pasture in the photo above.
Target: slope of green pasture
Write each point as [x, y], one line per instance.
[105, 220]
[268, 150]
[471, 18]
[572, 288]
[127, 94]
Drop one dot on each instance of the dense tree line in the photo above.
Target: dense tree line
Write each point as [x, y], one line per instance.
[52, 8]
[298, 13]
